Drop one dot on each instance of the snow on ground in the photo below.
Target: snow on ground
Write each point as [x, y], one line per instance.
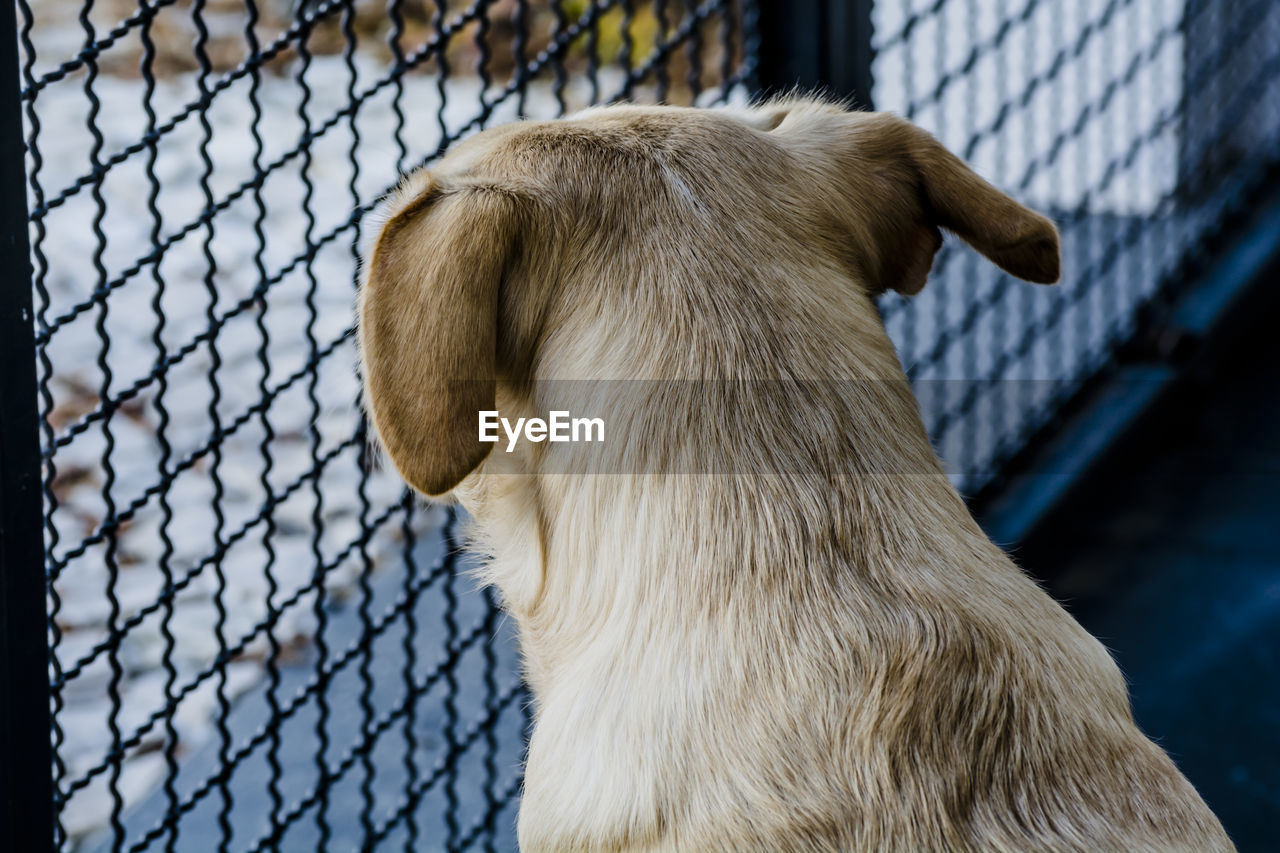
[130, 321]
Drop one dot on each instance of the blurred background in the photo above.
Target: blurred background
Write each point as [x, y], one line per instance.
[257, 641]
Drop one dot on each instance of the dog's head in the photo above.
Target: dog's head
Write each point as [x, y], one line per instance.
[533, 245]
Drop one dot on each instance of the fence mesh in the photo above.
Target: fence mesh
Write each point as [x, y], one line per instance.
[1137, 125]
[259, 641]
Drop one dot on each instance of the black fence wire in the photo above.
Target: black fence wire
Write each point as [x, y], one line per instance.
[256, 640]
[1138, 125]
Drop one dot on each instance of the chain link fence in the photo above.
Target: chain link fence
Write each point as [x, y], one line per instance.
[257, 640]
[1137, 125]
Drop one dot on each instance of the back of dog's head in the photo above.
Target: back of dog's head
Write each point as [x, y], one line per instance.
[657, 243]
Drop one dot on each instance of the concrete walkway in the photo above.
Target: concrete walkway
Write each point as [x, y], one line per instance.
[1171, 556]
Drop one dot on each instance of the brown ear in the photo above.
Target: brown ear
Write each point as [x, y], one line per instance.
[428, 329]
[1018, 240]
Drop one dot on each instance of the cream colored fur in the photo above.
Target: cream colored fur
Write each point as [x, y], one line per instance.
[805, 643]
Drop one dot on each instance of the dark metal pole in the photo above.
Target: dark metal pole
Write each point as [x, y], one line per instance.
[26, 756]
[817, 45]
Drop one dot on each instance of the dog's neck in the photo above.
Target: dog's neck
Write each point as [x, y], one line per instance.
[857, 513]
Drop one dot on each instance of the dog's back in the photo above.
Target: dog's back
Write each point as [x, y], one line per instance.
[762, 618]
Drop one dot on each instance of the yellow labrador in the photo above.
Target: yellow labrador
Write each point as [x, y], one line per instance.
[776, 627]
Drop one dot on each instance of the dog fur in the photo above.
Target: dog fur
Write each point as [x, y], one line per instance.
[810, 645]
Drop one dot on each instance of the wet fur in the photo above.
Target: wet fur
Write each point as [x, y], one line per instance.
[817, 648]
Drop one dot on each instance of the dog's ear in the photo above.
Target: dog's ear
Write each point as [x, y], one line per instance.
[1018, 240]
[428, 329]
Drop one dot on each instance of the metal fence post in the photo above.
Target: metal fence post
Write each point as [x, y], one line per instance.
[26, 786]
[817, 44]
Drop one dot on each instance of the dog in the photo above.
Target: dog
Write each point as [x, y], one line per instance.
[777, 626]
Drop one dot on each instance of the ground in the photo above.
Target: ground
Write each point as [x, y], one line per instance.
[1172, 558]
